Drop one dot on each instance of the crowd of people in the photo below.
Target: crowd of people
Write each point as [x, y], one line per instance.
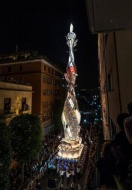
[115, 163]
[33, 171]
[93, 145]
[15, 177]
[48, 163]
[69, 170]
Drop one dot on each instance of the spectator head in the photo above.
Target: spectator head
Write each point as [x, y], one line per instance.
[120, 120]
[128, 129]
[129, 108]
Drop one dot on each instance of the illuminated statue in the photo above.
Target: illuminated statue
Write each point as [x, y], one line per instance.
[71, 146]
[17, 105]
[71, 115]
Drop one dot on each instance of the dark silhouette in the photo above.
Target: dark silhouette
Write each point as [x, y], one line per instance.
[120, 138]
[129, 108]
[105, 165]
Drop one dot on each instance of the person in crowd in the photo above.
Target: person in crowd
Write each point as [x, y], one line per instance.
[62, 172]
[129, 177]
[41, 171]
[49, 167]
[120, 138]
[105, 165]
[79, 187]
[38, 186]
[54, 168]
[73, 174]
[72, 186]
[128, 129]
[45, 167]
[31, 185]
[62, 164]
[121, 149]
[73, 166]
[68, 174]
[65, 166]
[129, 108]
[58, 167]
[78, 172]
[61, 186]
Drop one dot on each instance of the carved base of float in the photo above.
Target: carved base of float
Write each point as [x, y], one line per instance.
[70, 149]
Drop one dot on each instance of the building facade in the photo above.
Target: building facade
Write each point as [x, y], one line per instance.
[111, 21]
[15, 99]
[45, 78]
[115, 67]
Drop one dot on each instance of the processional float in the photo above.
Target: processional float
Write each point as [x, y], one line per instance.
[71, 146]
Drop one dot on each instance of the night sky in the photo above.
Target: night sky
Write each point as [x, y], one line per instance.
[42, 25]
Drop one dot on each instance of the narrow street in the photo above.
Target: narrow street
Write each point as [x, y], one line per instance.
[44, 180]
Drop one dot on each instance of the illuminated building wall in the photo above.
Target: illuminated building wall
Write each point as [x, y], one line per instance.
[14, 99]
[115, 58]
[46, 81]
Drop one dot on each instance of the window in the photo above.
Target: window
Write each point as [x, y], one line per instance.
[49, 104]
[52, 81]
[44, 67]
[110, 82]
[15, 57]
[20, 68]
[56, 92]
[24, 105]
[44, 79]
[45, 117]
[9, 69]
[44, 92]
[43, 105]
[52, 71]
[105, 39]
[52, 92]
[47, 80]
[48, 92]
[48, 70]
[7, 105]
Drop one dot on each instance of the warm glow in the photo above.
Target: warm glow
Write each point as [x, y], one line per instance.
[71, 146]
